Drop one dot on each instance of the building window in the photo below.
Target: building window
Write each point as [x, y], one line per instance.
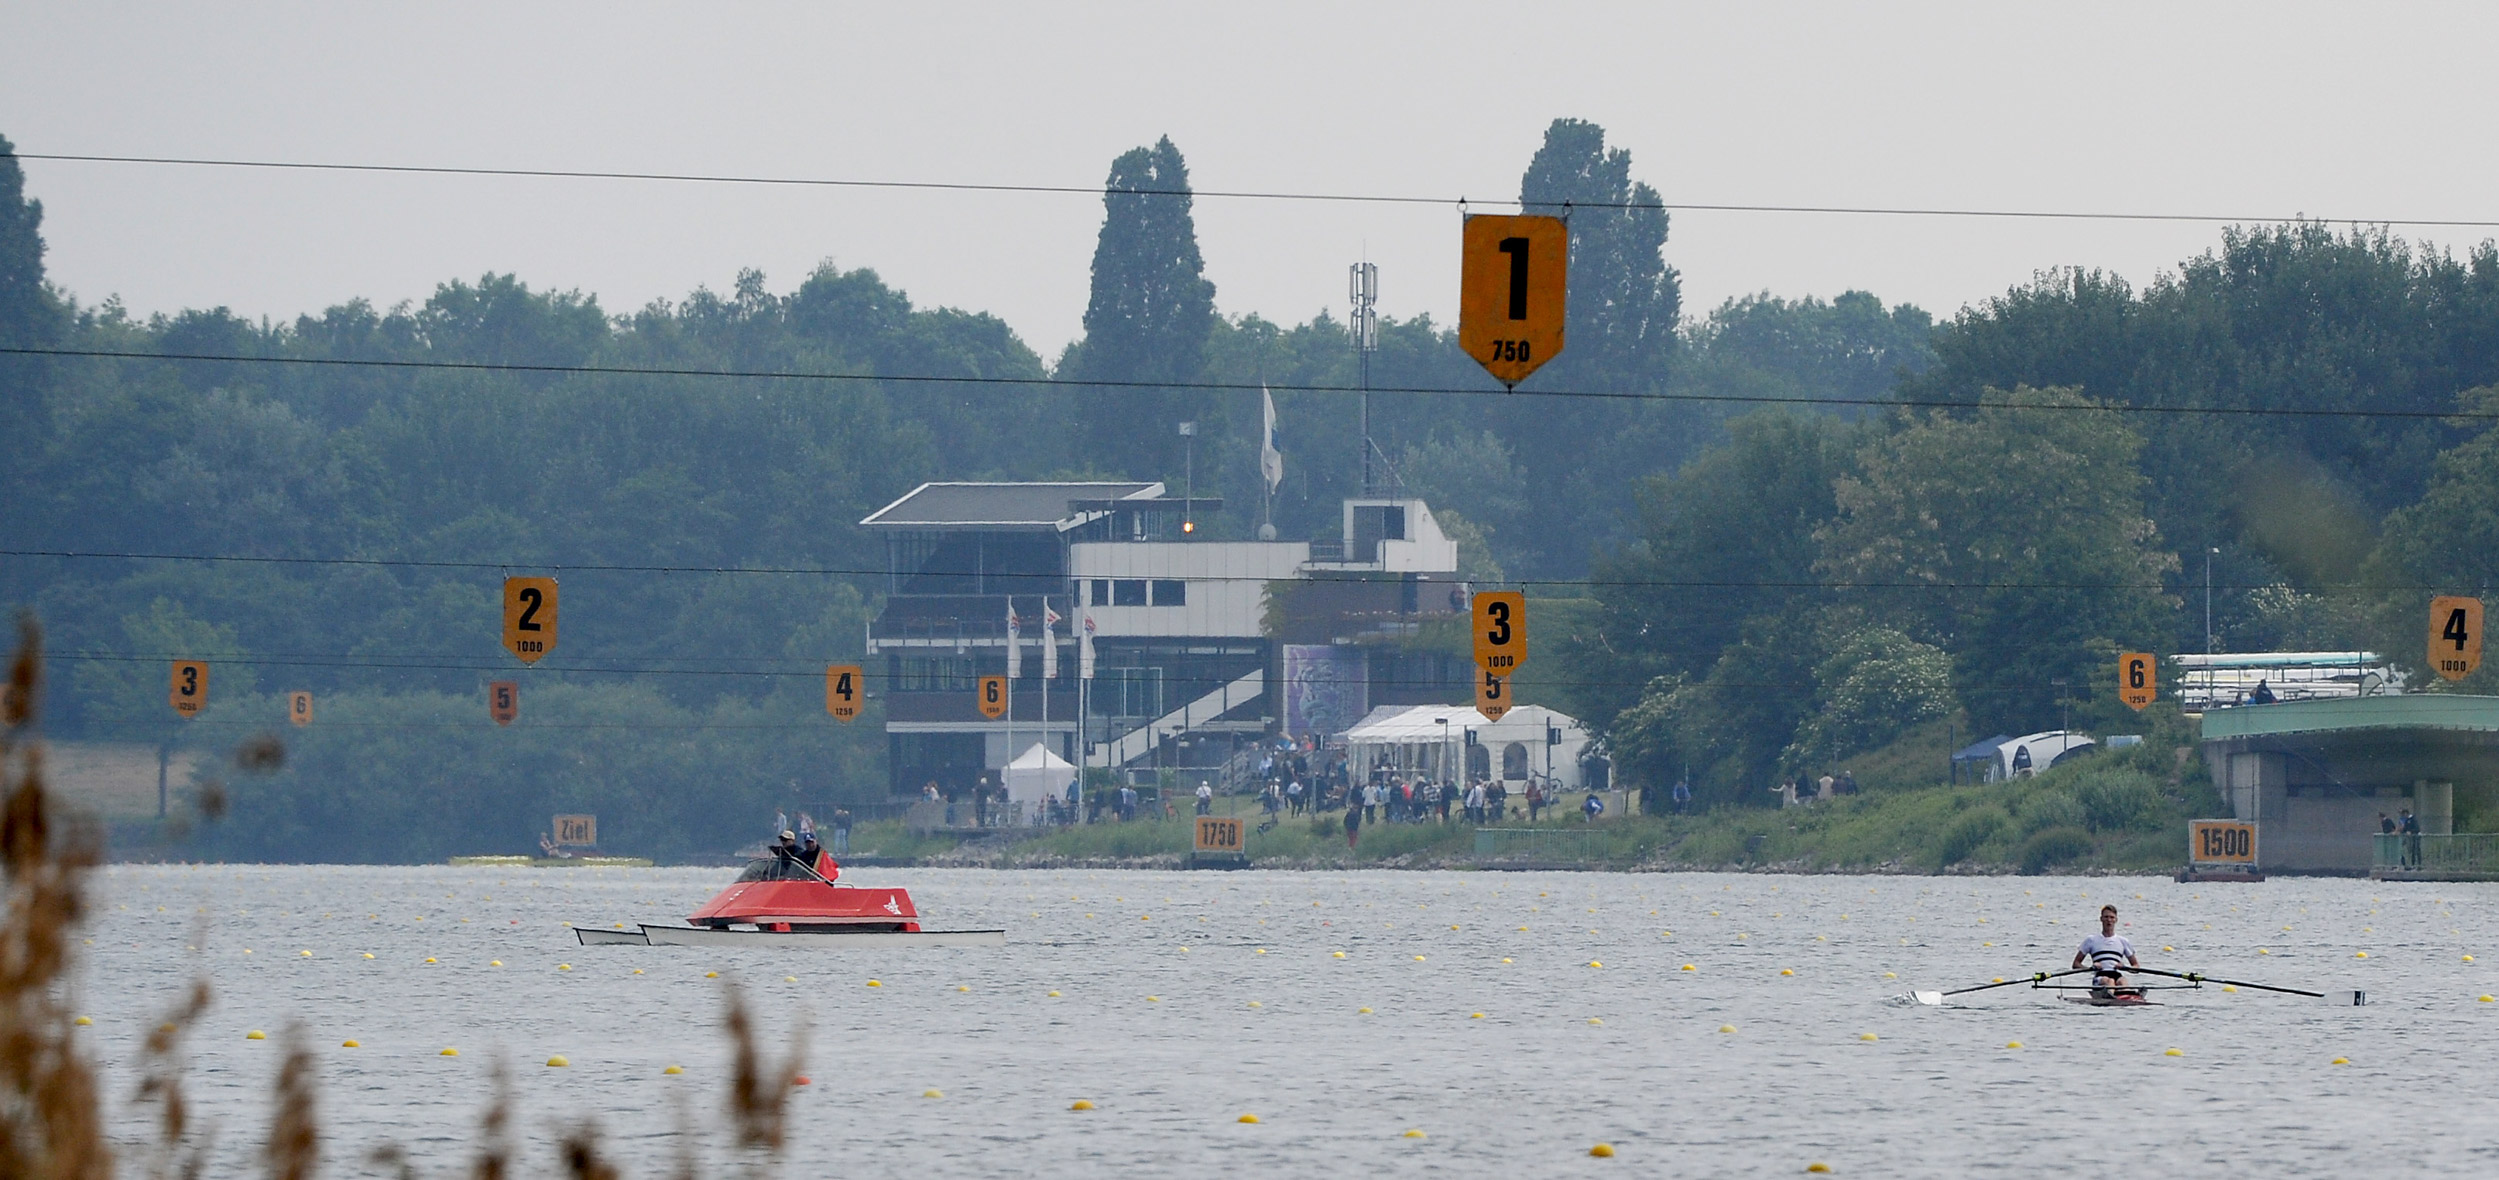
[1168, 592]
[1128, 592]
[1101, 592]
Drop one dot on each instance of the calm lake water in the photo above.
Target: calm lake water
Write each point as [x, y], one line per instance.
[1177, 1002]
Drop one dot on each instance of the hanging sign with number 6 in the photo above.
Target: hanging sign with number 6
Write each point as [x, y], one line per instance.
[1513, 275]
[299, 707]
[1500, 631]
[993, 697]
[503, 701]
[2138, 678]
[2455, 636]
[842, 691]
[529, 617]
[190, 688]
[1492, 695]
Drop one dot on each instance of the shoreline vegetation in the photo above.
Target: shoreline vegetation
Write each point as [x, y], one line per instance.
[2120, 811]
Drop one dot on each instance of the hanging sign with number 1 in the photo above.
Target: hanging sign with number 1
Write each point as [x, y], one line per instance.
[1513, 275]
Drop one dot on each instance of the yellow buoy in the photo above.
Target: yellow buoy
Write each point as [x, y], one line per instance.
[1340, 954]
[1603, 1151]
[1818, 1167]
[1505, 960]
[448, 1051]
[2486, 999]
[1363, 1012]
[1594, 1020]
[2229, 987]
[1247, 1118]
[1080, 1104]
[83, 1021]
[1262, 950]
[1726, 1028]
[674, 1069]
[637, 970]
[2360, 954]
[368, 954]
[1689, 967]
[875, 983]
[429, 959]
[1154, 999]
[1414, 1132]
[2468, 958]
[255, 1035]
[2012, 1044]
[1891, 975]
[711, 975]
[350, 1045]
[2174, 1053]
[494, 962]
[563, 966]
[2262, 951]
[1054, 993]
[1256, 1004]
[1785, 971]
[932, 1093]
[306, 954]
[1594, 963]
[2340, 1061]
[1475, 1016]
[1418, 958]
[558, 1061]
[1868, 1037]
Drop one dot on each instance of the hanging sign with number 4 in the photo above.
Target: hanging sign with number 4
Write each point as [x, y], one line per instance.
[2455, 636]
[1513, 275]
[529, 617]
[2138, 679]
[842, 691]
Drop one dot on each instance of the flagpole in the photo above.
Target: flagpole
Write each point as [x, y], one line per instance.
[1049, 667]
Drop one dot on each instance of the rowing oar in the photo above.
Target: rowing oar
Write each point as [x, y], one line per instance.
[2192, 977]
[2039, 977]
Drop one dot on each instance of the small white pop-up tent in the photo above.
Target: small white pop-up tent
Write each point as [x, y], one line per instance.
[1532, 741]
[1038, 774]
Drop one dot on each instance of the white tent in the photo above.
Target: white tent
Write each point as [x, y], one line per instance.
[1038, 774]
[2043, 750]
[1521, 744]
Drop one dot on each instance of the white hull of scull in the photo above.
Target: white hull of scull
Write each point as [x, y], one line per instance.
[649, 935]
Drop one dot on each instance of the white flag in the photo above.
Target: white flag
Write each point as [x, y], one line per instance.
[1270, 460]
[1015, 645]
[1084, 649]
[1049, 641]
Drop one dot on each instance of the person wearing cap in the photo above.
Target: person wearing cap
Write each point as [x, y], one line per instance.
[2108, 954]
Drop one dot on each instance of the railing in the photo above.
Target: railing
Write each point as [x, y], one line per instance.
[2470, 853]
[1543, 844]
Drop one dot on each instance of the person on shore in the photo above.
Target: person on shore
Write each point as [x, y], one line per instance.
[1496, 799]
[841, 831]
[1475, 804]
[1786, 791]
[1293, 796]
[1353, 825]
[1127, 803]
[2410, 825]
[1683, 797]
[2109, 954]
[1829, 788]
[1535, 800]
[1205, 798]
[1372, 797]
[1592, 807]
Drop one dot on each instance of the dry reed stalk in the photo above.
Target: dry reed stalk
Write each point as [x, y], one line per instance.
[582, 1160]
[162, 1084]
[294, 1150]
[51, 1127]
[759, 1098]
[494, 1149]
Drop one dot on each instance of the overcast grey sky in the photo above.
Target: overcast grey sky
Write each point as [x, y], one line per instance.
[2369, 111]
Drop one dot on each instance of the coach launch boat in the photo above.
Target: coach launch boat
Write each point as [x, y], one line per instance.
[787, 900]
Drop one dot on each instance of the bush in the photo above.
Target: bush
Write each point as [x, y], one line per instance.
[2049, 808]
[1969, 832]
[2118, 800]
[2053, 846]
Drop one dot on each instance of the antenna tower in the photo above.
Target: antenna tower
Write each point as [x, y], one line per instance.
[1363, 287]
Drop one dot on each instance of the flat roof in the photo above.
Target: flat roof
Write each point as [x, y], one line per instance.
[1000, 505]
[2453, 711]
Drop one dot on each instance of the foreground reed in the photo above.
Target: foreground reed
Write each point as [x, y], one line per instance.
[51, 1112]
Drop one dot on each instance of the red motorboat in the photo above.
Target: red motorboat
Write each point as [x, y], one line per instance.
[785, 900]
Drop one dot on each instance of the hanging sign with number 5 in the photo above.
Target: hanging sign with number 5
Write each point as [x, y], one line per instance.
[1514, 273]
[503, 701]
[529, 617]
[2455, 636]
[2138, 679]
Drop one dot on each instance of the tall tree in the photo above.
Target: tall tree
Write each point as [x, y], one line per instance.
[1150, 312]
[28, 312]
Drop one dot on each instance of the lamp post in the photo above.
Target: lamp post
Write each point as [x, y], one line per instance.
[2209, 551]
[1188, 502]
[1444, 749]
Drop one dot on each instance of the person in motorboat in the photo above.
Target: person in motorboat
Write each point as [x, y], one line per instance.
[2108, 953]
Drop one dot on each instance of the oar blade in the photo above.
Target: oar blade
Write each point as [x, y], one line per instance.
[1930, 999]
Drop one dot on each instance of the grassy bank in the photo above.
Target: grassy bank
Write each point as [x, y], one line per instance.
[2120, 811]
